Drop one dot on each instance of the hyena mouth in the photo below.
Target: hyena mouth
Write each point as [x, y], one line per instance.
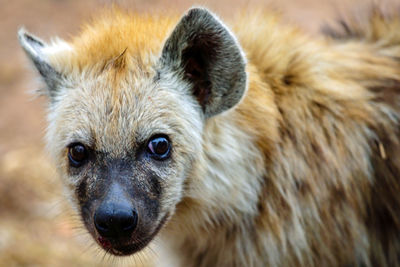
[131, 246]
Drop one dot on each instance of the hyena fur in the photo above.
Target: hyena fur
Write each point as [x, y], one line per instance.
[260, 146]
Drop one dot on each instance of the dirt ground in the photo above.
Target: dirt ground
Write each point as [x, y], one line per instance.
[36, 226]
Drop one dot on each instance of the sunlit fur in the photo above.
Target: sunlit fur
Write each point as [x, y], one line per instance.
[302, 172]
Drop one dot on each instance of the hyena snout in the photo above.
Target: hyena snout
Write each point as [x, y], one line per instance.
[122, 218]
[115, 219]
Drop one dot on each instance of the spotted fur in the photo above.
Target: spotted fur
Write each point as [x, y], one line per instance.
[288, 157]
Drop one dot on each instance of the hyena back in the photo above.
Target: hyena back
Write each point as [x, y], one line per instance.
[265, 149]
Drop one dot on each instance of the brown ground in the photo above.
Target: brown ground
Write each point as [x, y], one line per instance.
[36, 226]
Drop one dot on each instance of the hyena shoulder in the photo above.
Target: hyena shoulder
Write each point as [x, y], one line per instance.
[338, 119]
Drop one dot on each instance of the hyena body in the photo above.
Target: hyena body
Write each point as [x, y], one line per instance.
[288, 158]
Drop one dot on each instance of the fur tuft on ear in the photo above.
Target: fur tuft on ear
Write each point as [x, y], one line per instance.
[35, 49]
[205, 53]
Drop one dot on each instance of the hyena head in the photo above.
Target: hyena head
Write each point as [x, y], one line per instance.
[126, 130]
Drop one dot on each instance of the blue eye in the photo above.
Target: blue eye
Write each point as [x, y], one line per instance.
[159, 147]
[77, 154]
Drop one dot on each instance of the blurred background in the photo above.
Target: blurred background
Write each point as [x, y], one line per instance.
[36, 226]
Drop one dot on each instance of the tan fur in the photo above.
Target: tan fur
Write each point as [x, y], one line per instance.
[303, 172]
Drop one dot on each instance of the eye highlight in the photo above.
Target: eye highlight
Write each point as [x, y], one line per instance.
[159, 147]
[77, 154]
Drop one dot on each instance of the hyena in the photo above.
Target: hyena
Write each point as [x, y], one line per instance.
[257, 145]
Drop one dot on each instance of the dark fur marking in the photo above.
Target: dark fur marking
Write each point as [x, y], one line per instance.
[302, 187]
[383, 209]
[288, 79]
[33, 40]
[81, 191]
[157, 77]
[155, 186]
[285, 131]
[363, 28]
[342, 30]
[387, 91]
[50, 76]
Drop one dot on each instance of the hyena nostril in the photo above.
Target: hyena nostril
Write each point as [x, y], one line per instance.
[115, 221]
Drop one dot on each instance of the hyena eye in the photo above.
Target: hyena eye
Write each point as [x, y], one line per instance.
[159, 147]
[77, 154]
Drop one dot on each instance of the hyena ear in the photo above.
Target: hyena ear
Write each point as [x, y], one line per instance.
[202, 51]
[36, 51]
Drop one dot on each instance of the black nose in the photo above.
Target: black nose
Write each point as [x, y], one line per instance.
[115, 220]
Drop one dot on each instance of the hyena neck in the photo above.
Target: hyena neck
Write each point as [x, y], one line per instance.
[222, 192]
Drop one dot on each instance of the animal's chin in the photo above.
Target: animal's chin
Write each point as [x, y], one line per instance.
[126, 248]
[119, 248]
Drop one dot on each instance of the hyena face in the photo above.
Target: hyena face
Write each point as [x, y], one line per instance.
[124, 154]
[126, 133]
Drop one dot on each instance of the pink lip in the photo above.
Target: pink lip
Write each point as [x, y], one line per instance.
[104, 243]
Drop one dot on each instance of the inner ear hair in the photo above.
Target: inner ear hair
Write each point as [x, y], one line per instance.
[197, 66]
[34, 48]
[203, 49]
